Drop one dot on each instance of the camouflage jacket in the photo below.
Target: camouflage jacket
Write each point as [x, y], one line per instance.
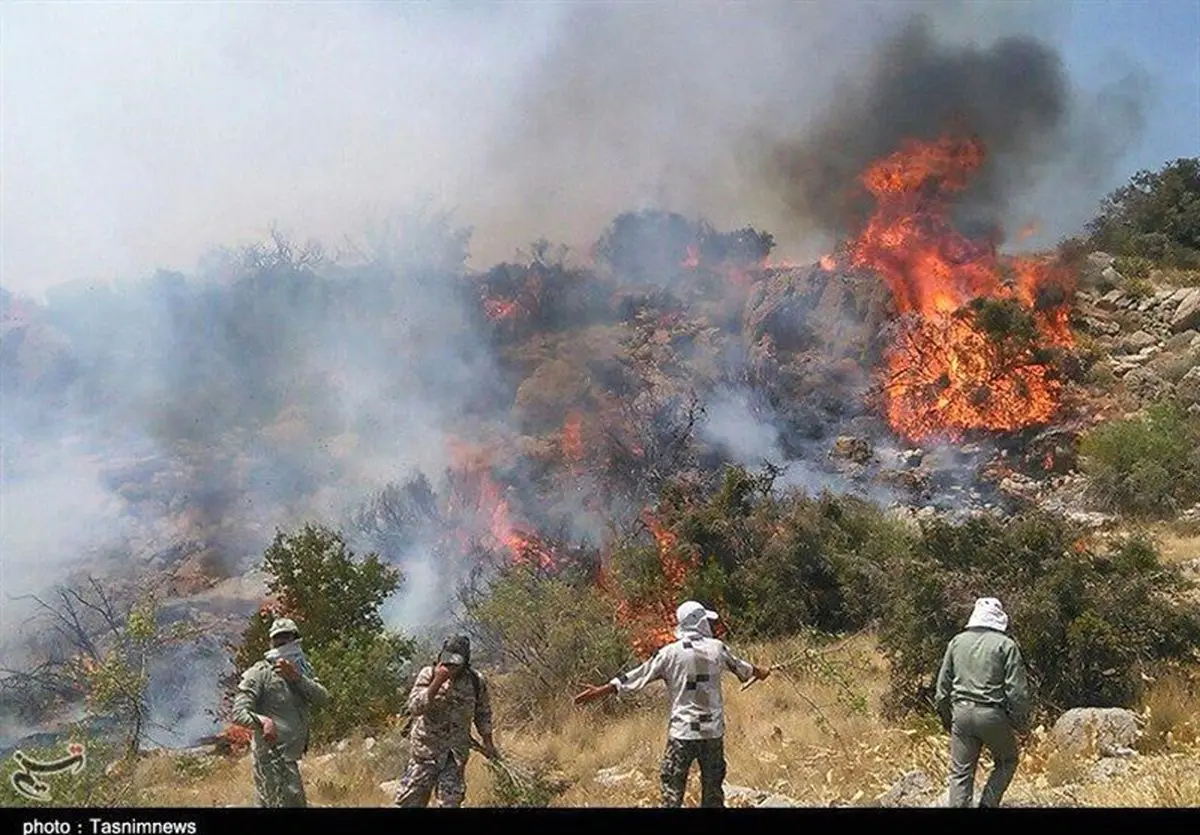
[441, 722]
[264, 692]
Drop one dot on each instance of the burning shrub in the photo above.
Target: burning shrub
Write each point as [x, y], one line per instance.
[553, 636]
[1086, 618]
[335, 600]
[1147, 465]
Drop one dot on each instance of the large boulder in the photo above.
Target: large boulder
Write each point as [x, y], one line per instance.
[1108, 731]
[1188, 389]
[1187, 313]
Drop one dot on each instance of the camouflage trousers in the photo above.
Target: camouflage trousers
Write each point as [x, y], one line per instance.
[277, 781]
[677, 762]
[422, 777]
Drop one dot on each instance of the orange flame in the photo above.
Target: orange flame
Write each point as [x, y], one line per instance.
[945, 374]
[498, 309]
[653, 619]
[479, 495]
[572, 437]
[691, 260]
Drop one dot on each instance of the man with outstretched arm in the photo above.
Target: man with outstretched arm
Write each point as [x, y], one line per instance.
[691, 668]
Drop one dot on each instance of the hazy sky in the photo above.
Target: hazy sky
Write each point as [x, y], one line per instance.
[138, 135]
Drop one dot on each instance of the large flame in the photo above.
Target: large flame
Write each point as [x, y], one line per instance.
[945, 373]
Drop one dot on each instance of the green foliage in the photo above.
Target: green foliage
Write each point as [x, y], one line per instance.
[782, 563]
[553, 636]
[117, 678]
[1004, 320]
[1155, 216]
[1133, 266]
[1085, 619]
[1146, 466]
[335, 599]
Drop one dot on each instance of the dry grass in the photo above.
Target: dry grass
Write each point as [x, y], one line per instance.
[776, 740]
[1178, 546]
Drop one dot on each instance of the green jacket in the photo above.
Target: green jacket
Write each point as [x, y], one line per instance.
[263, 692]
[984, 666]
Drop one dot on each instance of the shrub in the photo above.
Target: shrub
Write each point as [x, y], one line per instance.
[1086, 618]
[553, 637]
[1147, 466]
[1155, 216]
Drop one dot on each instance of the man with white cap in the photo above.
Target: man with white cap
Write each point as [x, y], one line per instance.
[691, 668]
[275, 698]
[983, 699]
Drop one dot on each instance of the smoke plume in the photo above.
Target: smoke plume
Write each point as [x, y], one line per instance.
[1012, 94]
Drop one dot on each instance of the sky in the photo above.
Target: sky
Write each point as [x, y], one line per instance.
[137, 136]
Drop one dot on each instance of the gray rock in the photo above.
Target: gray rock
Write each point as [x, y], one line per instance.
[1147, 385]
[1137, 341]
[777, 801]
[1113, 731]
[1100, 327]
[914, 788]
[1187, 314]
[1181, 341]
[1188, 388]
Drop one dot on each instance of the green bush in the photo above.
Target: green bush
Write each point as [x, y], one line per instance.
[553, 637]
[781, 563]
[1086, 619]
[335, 599]
[1156, 216]
[1147, 466]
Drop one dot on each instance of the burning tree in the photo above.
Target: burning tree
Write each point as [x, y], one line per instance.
[946, 372]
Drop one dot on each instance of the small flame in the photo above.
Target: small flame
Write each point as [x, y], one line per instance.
[498, 309]
[572, 437]
[652, 620]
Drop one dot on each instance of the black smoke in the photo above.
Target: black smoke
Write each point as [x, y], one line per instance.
[1013, 95]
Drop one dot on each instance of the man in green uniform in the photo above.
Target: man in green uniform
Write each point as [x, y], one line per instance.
[275, 698]
[983, 699]
[445, 700]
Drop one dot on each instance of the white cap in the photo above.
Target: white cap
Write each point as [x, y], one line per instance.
[688, 612]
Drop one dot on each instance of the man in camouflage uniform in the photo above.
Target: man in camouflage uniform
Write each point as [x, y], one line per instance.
[275, 698]
[983, 699]
[445, 699]
[691, 668]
